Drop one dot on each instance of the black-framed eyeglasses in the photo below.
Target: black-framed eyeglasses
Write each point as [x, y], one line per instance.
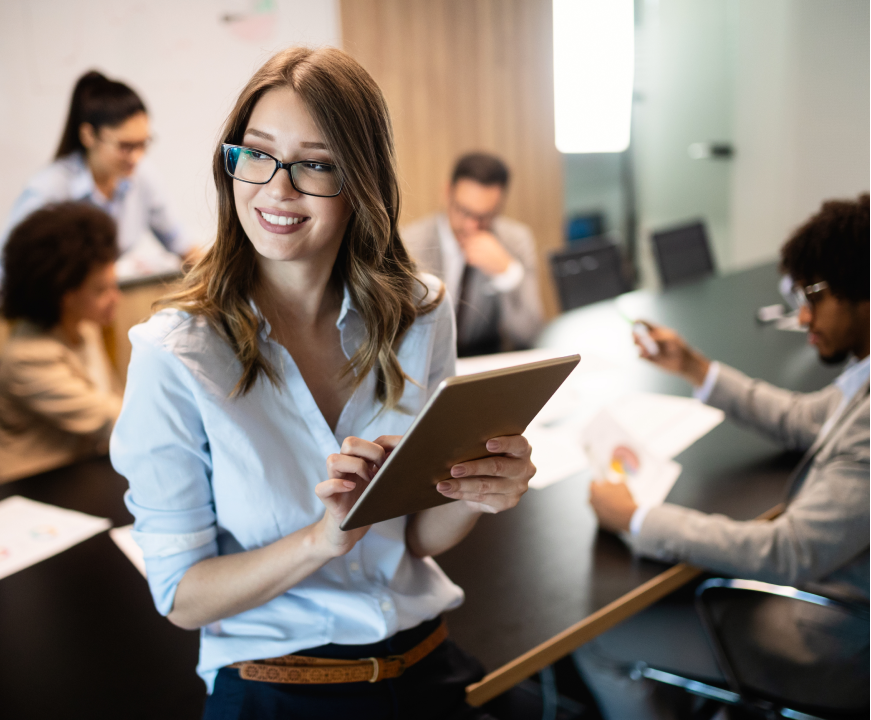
[309, 177]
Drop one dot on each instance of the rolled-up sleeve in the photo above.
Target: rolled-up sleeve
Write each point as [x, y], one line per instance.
[160, 445]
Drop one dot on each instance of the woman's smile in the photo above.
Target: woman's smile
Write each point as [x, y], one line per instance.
[280, 222]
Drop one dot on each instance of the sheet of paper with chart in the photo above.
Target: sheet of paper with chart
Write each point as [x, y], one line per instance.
[635, 439]
[617, 455]
[665, 423]
[32, 531]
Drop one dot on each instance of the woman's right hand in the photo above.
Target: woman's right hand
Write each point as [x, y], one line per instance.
[350, 472]
[674, 355]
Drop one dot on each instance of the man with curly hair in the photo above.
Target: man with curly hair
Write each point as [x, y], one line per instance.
[819, 543]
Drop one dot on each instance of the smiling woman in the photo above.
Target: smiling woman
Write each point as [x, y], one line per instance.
[265, 395]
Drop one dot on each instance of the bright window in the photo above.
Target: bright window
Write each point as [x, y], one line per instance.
[593, 62]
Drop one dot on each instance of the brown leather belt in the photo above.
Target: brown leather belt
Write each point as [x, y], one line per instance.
[302, 670]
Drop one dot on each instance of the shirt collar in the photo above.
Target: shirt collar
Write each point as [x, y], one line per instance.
[446, 235]
[855, 375]
[352, 329]
[82, 184]
[265, 327]
[347, 323]
[347, 305]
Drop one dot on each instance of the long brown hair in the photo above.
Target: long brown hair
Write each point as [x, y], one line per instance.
[351, 113]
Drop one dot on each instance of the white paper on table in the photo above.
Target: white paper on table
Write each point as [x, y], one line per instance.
[127, 545]
[557, 454]
[666, 424]
[32, 531]
[616, 454]
[147, 258]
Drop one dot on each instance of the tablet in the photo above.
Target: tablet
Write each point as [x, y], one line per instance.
[453, 427]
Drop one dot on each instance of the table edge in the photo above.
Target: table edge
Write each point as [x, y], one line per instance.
[560, 645]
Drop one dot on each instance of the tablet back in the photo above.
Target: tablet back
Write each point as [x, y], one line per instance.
[454, 426]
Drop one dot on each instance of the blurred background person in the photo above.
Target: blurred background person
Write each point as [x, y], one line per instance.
[59, 396]
[99, 160]
[486, 261]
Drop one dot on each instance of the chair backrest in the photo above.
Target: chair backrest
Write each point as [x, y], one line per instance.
[682, 253]
[589, 273]
[790, 648]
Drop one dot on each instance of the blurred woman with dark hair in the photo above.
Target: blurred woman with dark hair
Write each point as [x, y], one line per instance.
[59, 397]
[98, 160]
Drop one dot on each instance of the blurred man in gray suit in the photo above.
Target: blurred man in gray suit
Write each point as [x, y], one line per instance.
[820, 542]
[487, 262]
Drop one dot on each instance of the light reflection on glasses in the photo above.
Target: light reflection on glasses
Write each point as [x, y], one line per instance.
[808, 295]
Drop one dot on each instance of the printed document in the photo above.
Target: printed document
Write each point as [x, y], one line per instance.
[32, 531]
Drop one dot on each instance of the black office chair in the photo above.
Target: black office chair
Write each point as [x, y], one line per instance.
[772, 671]
[682, 253]
[589, 273]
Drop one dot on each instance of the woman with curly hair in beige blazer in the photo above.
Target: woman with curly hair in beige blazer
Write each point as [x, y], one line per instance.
[59, 397]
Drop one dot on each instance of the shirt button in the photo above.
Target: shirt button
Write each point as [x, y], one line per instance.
[354, 566]
[386, 606]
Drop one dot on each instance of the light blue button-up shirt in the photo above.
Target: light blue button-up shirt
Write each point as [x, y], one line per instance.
[137, 206]
[213, 475]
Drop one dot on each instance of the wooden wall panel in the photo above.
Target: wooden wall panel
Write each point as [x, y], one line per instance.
[463, 75]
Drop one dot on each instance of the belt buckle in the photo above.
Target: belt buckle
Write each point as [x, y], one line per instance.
[374, 662]
[390, 658]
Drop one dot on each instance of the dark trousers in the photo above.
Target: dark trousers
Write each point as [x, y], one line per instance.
[433, 688]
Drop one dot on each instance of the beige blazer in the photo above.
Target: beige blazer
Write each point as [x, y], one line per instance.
[52, 411]
[821, 540]
[509, 320]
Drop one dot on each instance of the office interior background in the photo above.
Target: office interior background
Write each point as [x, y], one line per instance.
[779, 88]
[783, 83]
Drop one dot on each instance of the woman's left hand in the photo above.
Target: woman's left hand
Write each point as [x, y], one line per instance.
[495, 483]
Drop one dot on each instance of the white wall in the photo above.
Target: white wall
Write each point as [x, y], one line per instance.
[801, 116]
[187, 62]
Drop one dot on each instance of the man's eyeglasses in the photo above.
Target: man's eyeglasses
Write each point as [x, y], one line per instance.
[309, 177]
[485, 220]
[799, 297]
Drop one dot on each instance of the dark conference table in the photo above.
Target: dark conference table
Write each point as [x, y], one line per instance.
[79, 636]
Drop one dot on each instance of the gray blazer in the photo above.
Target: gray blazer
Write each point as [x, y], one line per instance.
[509, 320]
[821, 540]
